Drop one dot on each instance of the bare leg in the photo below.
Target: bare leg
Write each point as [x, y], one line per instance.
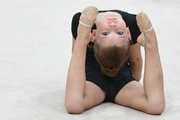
[150, 98]
[153, 75]
[81, 95]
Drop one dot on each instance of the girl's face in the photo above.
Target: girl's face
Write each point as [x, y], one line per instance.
[111, 29]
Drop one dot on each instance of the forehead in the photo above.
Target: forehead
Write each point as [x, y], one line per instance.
[106, 15]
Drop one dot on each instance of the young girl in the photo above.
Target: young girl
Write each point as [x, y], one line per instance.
[106, 62]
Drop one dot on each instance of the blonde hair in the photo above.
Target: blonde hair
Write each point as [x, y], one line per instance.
[111, 58]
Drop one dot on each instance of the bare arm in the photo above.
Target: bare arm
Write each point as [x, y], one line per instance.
[135, 61]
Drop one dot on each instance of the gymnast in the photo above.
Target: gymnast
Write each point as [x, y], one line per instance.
[106, 62]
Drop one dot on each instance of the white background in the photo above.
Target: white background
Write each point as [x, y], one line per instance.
[35, 50]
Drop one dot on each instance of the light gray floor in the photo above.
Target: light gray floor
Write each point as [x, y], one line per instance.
[35, 49]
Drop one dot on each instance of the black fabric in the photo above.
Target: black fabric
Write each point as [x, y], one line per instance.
[110, 85]
[130, 20]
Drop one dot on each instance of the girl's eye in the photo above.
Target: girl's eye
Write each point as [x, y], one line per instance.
[105, 33]
[120, 32]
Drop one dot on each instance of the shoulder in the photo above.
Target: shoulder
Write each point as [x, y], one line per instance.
[76, 16]
[74, 24]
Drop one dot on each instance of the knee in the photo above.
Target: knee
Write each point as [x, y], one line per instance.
[156, 108]
[74, 106]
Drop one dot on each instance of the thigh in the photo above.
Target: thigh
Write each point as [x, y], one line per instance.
[96, 83]
[123, 77]
[132, 95]
[93, 95]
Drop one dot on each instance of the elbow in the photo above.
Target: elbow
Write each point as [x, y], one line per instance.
[74, 106]
[137, 60]
[156, 108]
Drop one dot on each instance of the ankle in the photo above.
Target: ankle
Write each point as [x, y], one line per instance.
[149, 27]
[85, 22]
[151, 42]
[83, 31]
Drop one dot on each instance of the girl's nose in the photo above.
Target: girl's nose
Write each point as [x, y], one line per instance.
[112, 22]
